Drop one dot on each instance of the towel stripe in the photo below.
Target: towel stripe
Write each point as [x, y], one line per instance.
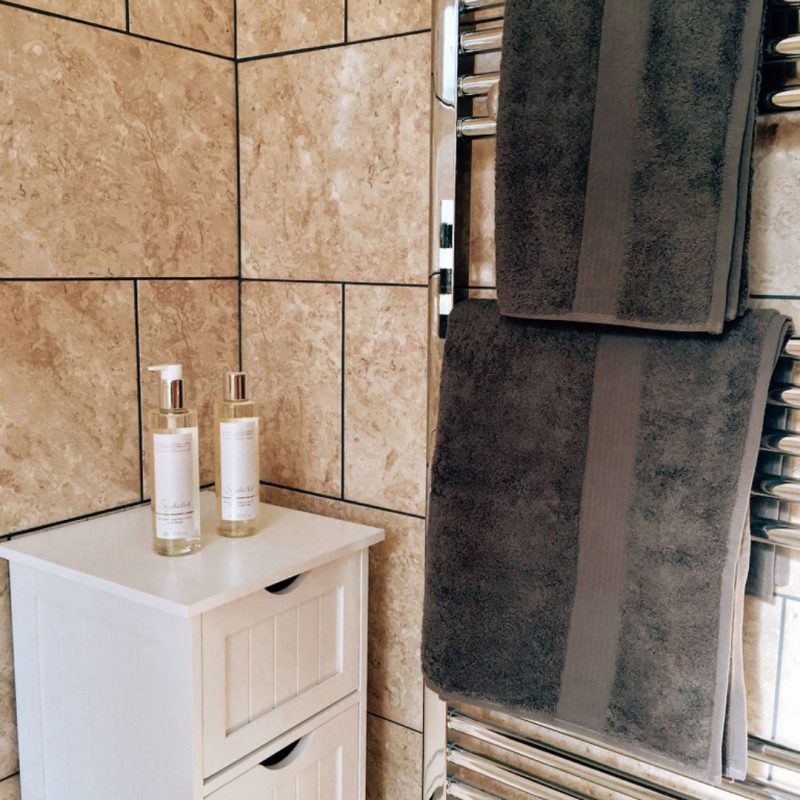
[591, 653]
[623, 47]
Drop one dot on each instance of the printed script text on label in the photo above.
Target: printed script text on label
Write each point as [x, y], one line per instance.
[175, 457]
[239, 469]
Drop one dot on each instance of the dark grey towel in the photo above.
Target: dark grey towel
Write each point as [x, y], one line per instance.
[624, 143]
[761, 577]
[588, 504]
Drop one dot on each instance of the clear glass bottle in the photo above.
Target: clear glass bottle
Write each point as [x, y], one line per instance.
[236, 450]
[174, 468]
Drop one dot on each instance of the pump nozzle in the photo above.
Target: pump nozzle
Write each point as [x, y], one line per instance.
[171, 394]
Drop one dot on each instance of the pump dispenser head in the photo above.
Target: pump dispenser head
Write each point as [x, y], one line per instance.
[235, 386]
[171, 392]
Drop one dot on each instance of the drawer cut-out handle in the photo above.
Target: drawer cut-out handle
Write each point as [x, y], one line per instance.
[282, 757]
[284, 586]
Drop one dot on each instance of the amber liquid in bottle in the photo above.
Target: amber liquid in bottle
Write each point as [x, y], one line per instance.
[236, 447]
[175, 498]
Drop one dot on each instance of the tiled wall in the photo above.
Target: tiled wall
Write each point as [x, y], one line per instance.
[127, 221]
[334, 209]
[203, 181]
[118, 223]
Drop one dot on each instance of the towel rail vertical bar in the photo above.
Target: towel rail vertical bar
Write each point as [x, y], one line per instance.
[444, 122]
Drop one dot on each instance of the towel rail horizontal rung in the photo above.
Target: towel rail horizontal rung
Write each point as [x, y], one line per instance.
[499, 773]
[785, 395]
[785, 47]
[761, 750]
[463, 791]
[785, 443]
[476, 85]
[778, 488]
[786, 99]
[483, 40]
[775, 532]
[792, 348]
[473, 127]
[506, 740]
[774, 754]
[477, 5]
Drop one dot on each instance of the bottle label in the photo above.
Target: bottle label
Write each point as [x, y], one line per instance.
[174, 460]
[238, 455]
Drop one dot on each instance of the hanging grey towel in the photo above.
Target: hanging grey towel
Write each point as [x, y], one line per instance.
[624, 143]
[587, 512]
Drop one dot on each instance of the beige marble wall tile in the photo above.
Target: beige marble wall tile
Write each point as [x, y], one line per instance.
[69, 441]
[368, 18]
[762, 628]
[291, 339]
[483, 294]
[394, 761]
[117, 155]
[202, 24]
[775, 225]
[103, 12]
[334, 170]
[284, 25]
[8, 717]
[787, 728]
[194, 323]
[396, 584]
[9, 788]
[386, 338]
[481, 229]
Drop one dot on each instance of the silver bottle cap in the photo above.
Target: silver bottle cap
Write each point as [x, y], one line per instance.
[235, 386]
[170, 395]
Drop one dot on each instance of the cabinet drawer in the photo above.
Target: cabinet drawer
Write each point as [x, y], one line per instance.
[277, 657]
[323, 765]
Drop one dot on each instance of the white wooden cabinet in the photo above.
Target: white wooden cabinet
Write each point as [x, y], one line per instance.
[237, 673]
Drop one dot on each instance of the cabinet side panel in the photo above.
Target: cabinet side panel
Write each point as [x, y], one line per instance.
[26, 654]
[107, 700]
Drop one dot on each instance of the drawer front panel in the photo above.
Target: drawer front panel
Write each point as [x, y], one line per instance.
[322, 766]
[272, 660]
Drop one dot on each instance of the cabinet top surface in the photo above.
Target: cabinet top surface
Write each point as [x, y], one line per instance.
[113, 553]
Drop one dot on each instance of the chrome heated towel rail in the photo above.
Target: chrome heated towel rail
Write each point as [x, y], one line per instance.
[467, 750]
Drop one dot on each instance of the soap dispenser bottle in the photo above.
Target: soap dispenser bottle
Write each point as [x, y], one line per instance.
[236, 451]
[174, 468]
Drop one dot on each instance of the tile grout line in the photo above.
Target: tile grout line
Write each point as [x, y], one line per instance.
[346, 33]
[9, 777]
[111, 29]
[111, 278]
[138, 385]
[341, 380]
[393, 722]
[332, 46]
[108, 278]
[127, 16]
[234, 58]
[7, 537]
[777, 697]
[238, 184]
[235, 28]
[337, 283]
[79, 518]
[358, 503]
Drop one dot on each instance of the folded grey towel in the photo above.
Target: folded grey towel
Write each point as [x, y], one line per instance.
[623, 179]
[588, 505]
